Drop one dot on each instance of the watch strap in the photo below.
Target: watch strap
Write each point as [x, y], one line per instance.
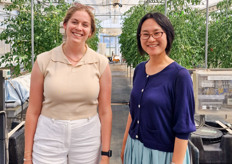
[107, 153]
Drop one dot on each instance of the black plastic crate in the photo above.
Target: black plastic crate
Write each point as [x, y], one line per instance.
[214, 147]
[16, 147]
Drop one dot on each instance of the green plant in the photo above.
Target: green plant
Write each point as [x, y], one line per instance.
[47, 18]
[128, 37]
[94, 40]
[220, 36]
[188, 48]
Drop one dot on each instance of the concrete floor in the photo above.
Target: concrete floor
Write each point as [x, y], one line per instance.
[121, 89]
[120, 113]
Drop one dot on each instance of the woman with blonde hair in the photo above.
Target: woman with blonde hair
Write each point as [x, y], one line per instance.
[69, 117]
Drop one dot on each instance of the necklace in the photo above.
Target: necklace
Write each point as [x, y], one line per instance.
[70, 57]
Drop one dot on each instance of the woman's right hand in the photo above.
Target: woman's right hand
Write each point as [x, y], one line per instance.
[27, 157]
[129, 120]
[122, 153]
[33, 111]
[27, 162]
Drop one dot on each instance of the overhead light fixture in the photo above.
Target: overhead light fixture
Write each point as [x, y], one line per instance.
[119, 4]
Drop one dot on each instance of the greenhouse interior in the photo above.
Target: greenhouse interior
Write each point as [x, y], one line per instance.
[202, 44]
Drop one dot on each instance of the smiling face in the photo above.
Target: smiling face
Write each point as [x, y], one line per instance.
[78, 27]
[153, 47]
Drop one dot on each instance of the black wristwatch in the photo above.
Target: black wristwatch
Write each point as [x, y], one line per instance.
[107, 153]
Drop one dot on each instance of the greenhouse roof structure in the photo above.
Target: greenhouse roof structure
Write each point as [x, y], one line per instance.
[110, 12]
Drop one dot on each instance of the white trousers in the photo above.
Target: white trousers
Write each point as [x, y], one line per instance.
[67, 141]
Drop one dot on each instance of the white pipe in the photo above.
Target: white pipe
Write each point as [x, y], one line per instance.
[32, 33]
[206, 33]
[165, 7]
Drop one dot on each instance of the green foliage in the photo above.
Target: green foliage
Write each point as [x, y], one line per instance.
[220, 36]
[47, 18]
[94, 40]
[128, 37]
[188, 48]
[18, 32]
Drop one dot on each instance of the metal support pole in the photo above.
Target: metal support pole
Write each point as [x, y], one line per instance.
[165, 7]
[196, 154]
[127, 70]
[32, 32]
[206, 34]
[2, 120]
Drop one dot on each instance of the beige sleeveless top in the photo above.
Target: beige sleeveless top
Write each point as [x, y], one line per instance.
[70, 92]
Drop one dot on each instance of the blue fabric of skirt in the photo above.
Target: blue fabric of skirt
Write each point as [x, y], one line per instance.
[136, 153]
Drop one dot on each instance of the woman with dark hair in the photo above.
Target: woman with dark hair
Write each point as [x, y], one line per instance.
[69, 116]
[161, 114]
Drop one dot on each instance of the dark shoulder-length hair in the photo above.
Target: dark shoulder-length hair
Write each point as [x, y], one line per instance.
[164, 23]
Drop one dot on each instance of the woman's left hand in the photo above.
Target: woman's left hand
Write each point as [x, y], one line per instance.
[105, 160]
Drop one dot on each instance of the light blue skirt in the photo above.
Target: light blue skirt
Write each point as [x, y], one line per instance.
[136, 153]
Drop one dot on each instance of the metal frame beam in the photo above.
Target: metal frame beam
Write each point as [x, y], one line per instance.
[2, 120]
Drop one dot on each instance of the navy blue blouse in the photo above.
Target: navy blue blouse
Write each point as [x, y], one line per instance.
[162, 106]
